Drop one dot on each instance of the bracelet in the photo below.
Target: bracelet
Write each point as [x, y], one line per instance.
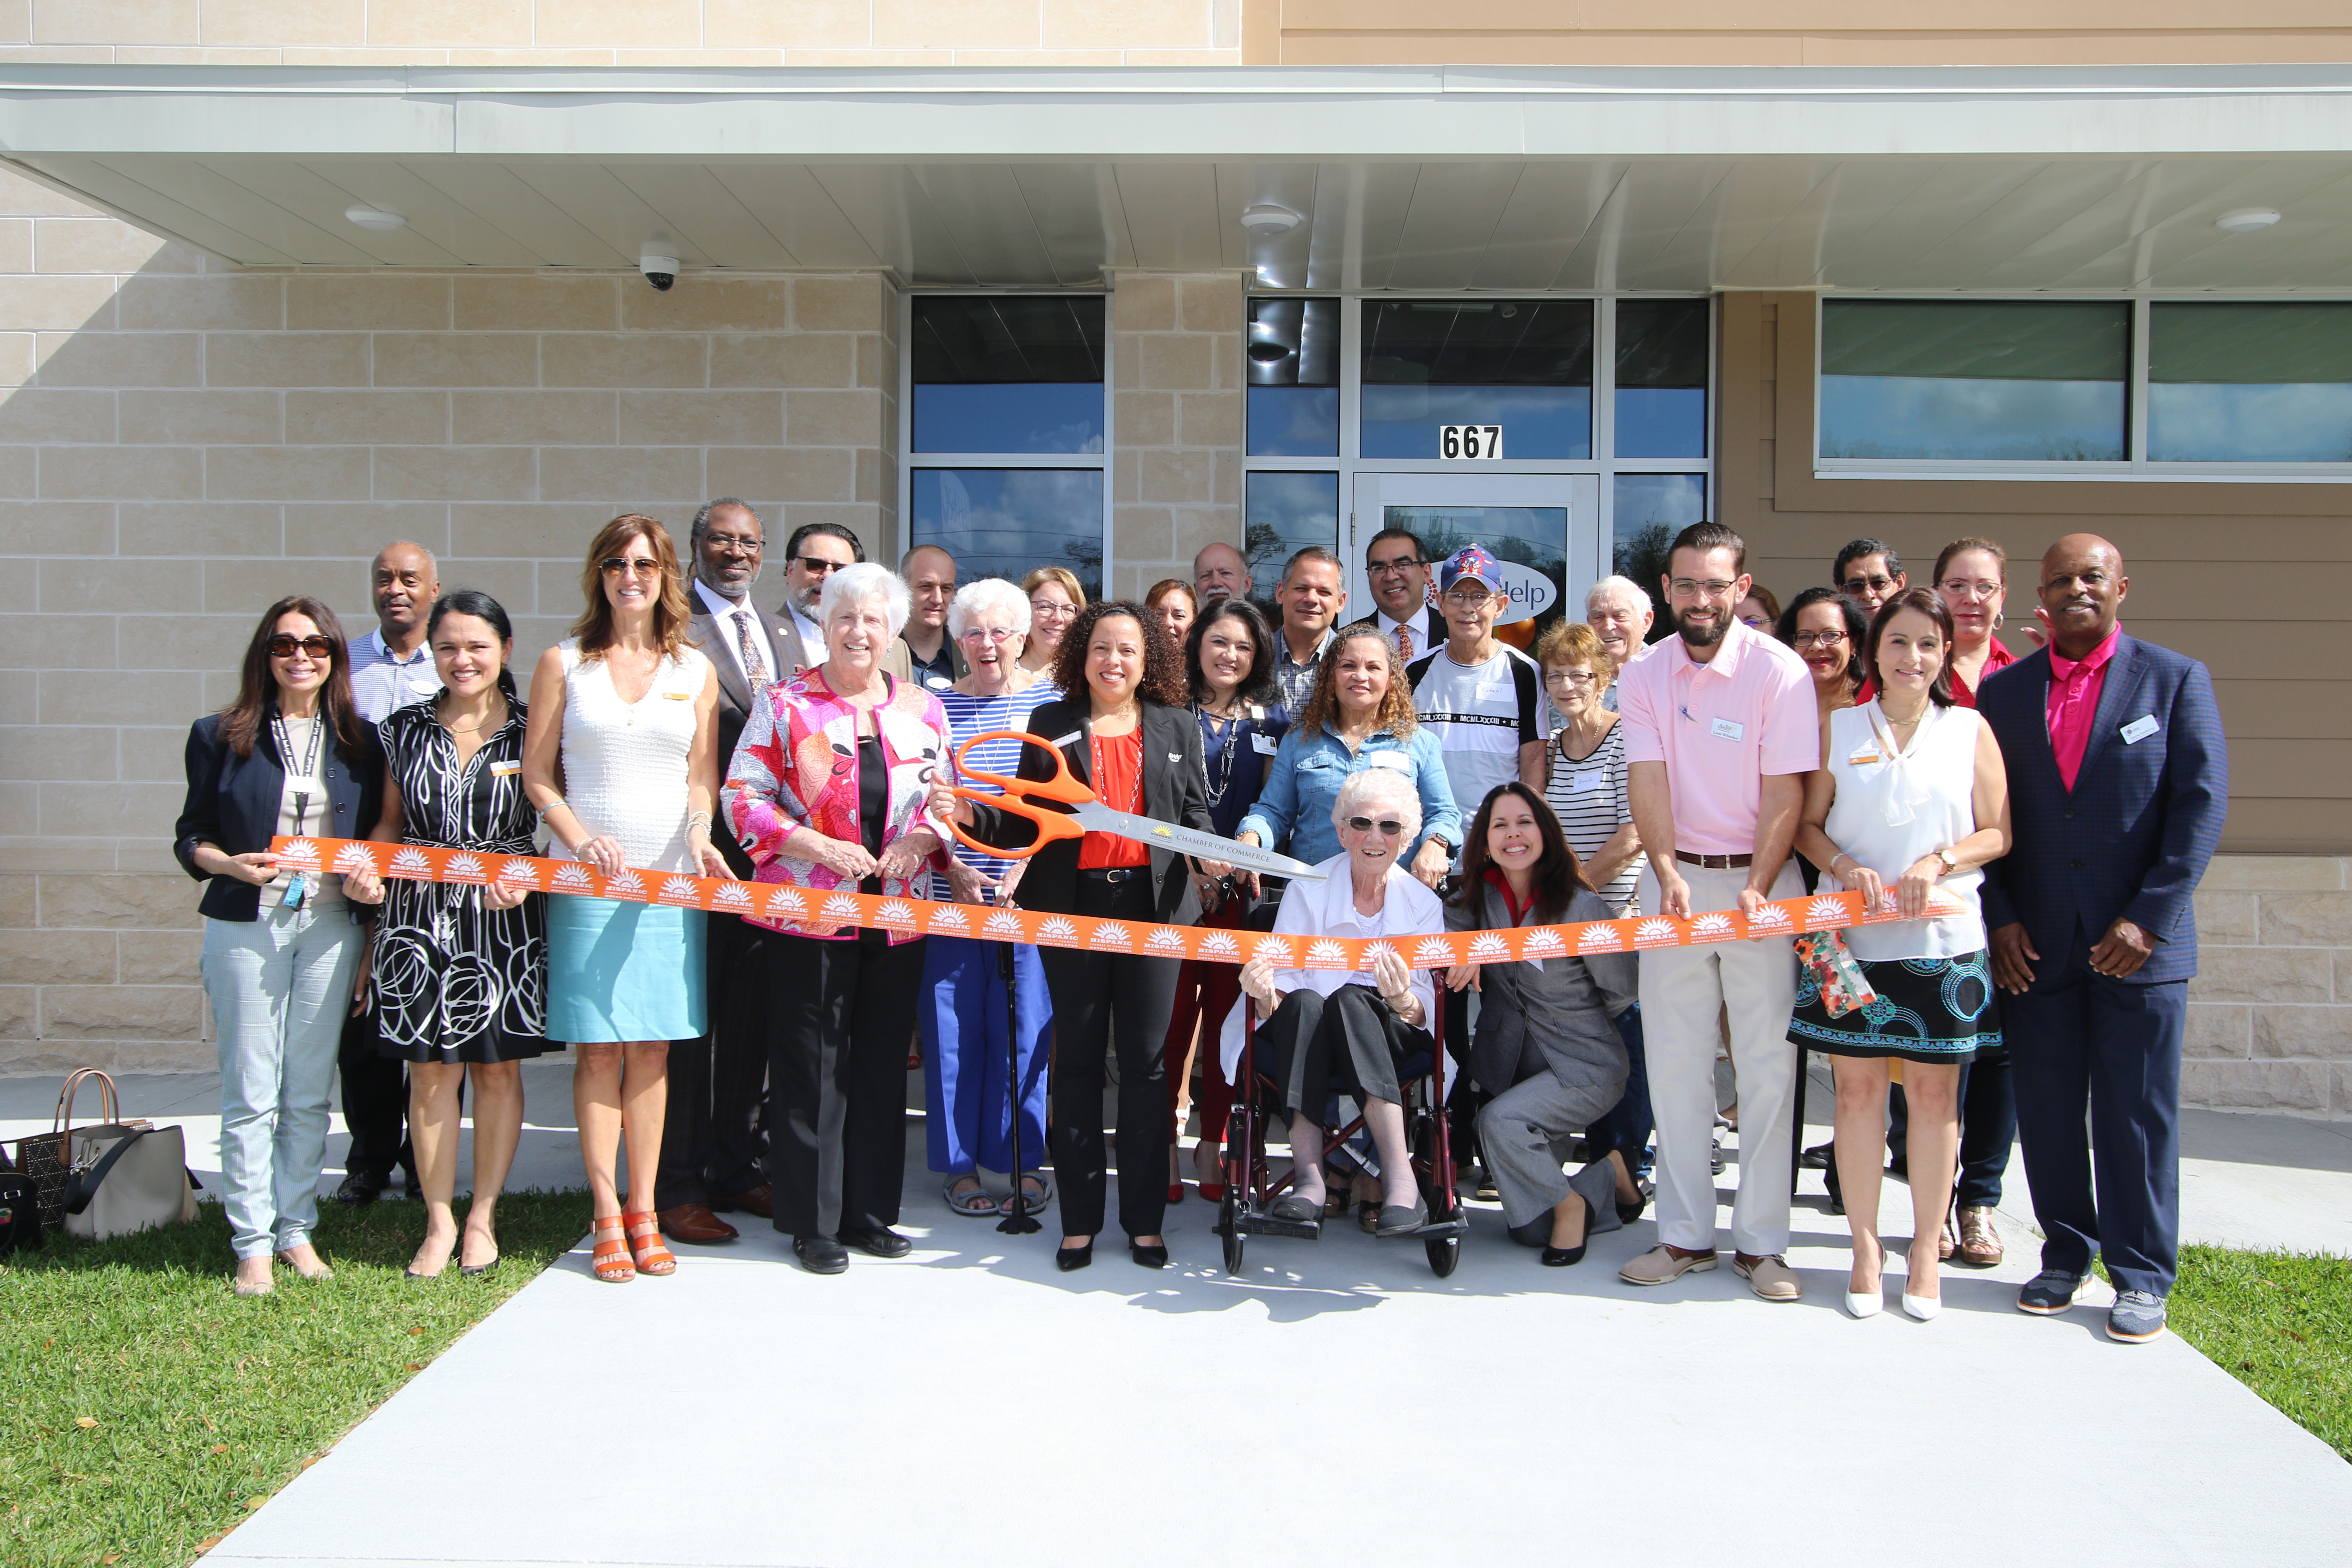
[695, 819]
[551, 805]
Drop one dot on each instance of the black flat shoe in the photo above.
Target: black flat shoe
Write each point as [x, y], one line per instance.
[1561, 1256]
[820, 1254]
[1070, 1258]
[476, 1270]
[1396, 1220]
[1147, 1257]
[1628, 1213]
[880, 1242]
[358, 1189]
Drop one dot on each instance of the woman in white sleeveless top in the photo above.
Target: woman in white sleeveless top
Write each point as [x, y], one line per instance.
[621, 760]
[1911, 799]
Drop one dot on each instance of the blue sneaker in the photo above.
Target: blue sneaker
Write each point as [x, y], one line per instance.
[2050, 1293]
[2136, 1316]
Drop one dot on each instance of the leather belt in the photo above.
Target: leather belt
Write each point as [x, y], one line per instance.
[1717, 862]
[1113, 874]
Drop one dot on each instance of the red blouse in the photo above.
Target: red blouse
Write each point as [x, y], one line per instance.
[1118, 785]
[1996, 657]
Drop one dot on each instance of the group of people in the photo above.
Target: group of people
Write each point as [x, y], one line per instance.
[1439, 778]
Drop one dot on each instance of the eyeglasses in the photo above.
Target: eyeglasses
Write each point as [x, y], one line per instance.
[1402, 564]
[1757, 621]
[1387, 826]
[284, 644]
[814, 567]
[1858, 585]
[641, 566]
[988, 634]
[1812, 639]
[1690, 588]
[1468, 598]
[1961, 589]
[1569, 677]
[734, 543]
[1053, 607]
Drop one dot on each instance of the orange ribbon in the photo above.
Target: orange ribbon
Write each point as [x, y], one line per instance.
[808, 908]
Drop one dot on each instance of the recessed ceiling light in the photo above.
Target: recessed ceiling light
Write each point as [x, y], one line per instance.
[375, 218]
[2247, 220]
[1266, 218]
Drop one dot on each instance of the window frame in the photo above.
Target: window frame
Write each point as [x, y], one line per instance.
[2136, 467]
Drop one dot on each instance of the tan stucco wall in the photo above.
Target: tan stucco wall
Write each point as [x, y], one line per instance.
[1176, 468]
[2270, 1013]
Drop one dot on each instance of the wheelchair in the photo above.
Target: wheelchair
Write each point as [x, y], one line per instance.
[1251, 1188]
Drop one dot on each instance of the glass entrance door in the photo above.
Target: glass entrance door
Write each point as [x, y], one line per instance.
[1543, 530]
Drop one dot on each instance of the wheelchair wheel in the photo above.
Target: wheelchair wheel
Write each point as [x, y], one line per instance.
[1238, 1173]
[1443, 1256]
[1232, 1233]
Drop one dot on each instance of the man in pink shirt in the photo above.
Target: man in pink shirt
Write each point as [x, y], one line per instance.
[1720, 730]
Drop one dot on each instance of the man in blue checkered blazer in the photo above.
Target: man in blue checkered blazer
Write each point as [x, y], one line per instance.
[2118, 779]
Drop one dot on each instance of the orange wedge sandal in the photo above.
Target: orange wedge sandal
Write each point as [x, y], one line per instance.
[610, 1262]
[646, 1240]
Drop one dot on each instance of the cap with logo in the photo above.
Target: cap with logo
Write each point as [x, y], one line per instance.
[1470, 560]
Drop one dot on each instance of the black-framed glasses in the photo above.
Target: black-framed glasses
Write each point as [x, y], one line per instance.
[1402, 563]
[1387, 826]
[642, 566]
[1812, 639]
[285, 644]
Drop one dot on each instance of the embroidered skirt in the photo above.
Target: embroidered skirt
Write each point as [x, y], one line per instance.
[1930, 1010]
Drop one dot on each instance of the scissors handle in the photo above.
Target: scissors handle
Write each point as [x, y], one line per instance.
[1051, 825]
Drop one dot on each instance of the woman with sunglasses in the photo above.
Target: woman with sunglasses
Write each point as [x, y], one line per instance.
[1056, 597]
[1123, 732]
[620, 759]
[978, 996]
[1359, 1028]
[290, 755]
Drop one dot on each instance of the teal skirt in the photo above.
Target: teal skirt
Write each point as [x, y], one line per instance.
[623, 972]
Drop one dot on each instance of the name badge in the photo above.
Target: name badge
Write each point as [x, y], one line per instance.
[1589, 782]
[937, 682]
[502, 769]
[1494, 690]
[2139, 729]
[1726, 730]
[1865, 756]
[680, 696]
[1264, 745]
[1396, 760]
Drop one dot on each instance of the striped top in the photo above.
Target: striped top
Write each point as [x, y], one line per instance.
[970, 716]
[1592, 801]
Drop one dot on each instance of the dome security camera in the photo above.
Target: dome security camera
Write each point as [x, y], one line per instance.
[660, 270]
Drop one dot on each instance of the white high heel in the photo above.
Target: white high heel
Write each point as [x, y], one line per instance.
[1923, 1307]
[1868, 1306]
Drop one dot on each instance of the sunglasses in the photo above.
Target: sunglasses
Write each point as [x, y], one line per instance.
[642, 566]
[1388, 826]
[1857, 585]
[285, 644]
[811, 567]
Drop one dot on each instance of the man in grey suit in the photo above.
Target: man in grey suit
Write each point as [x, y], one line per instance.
[814, 552]
[711, 1133]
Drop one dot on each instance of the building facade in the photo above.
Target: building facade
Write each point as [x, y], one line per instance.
[1101, 284]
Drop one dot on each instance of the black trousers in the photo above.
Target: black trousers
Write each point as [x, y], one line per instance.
[714, 1131]
[2081, 1040]
[1091, 991]
[1351, 1037]
[375, 1104]
[838, 1017]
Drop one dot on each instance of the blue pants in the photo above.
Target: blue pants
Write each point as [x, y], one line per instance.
[1627, 1127]
[2079, 1039]
[968, 1116]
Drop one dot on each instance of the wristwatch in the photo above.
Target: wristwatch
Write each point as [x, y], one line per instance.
[1951, 861]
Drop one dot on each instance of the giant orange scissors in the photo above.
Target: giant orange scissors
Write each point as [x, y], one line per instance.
[1090, 814]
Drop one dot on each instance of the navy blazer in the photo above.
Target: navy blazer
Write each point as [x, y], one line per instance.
[2133, 835]
[233, 803]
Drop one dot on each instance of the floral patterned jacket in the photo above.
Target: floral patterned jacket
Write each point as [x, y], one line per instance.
[796, 766]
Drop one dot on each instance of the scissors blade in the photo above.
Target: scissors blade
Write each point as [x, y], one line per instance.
[1191, 841]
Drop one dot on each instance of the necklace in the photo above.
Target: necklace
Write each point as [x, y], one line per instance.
[1227, 730]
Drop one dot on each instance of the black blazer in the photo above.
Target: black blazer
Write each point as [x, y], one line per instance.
[233, 803]
[2133, 836]
[1175, 789]
[718, 643]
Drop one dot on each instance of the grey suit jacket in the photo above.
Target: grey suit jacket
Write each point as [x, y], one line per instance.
[1561, 1011]
[896, 659]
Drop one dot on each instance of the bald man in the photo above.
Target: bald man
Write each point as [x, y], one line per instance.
[2118, 779]
[931, 655]
[1221, 572]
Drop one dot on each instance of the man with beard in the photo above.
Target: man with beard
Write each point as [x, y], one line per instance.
[815, 552]
[2118, 780]
[1720, 731]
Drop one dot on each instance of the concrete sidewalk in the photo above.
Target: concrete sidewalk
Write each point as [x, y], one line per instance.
[968, 1403]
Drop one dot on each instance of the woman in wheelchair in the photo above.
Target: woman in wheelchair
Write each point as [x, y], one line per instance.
[1362, 1030]
[1544, 1047]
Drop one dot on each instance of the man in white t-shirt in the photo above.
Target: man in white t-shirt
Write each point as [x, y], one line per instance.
[1478, 695]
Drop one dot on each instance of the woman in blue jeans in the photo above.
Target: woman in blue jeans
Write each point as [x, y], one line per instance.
[291, 755]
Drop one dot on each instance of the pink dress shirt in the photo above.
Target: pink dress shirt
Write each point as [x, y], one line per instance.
[1719, 727]
[2073, 703]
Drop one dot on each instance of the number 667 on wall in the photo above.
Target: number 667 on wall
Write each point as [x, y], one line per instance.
[1469, 442]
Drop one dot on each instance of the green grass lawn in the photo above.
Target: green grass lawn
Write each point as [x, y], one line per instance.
[2280, 1323]
[144, 1409]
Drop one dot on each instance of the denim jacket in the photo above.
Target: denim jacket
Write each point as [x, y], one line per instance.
[1304, 783]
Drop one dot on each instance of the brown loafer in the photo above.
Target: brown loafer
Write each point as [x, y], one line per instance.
[759, 1202]
[1980, 1245]
[695, 1225]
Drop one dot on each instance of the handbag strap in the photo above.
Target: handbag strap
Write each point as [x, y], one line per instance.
[85, 1183]
[109, 1109]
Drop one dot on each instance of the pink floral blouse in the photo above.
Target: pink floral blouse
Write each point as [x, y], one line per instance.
[796, 766]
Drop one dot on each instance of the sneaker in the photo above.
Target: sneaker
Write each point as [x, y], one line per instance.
[2050, 1293]
[1770, 1276]
[2136, 1316]
[1660, 1266]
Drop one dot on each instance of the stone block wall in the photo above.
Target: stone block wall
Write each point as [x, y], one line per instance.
[180, 444]
[2270, 1013]
[1176, 423]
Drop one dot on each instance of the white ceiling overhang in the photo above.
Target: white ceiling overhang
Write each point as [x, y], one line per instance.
[2047, 178]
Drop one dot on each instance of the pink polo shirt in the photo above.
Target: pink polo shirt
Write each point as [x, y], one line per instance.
[2073, 703]
[1719, 727]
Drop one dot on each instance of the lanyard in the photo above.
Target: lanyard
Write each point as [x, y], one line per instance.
[296, 888]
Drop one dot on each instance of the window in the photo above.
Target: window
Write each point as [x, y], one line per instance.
[1975, 379]
[1525, 365]
[2251, 381]
[1294, 378]
[1649, 510]
[1007, 523]
[1008, 374]
[1287, 512]
[1662, 360]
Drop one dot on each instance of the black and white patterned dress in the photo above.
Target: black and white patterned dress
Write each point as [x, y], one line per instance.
[456, 981]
